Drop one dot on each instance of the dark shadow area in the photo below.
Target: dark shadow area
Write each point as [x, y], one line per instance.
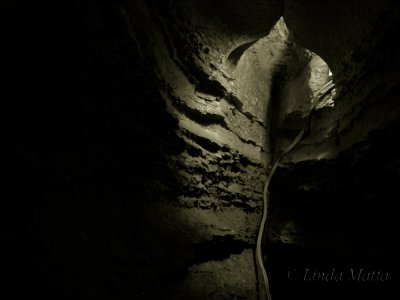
[219, 248]
[86, 132]
[345, 216]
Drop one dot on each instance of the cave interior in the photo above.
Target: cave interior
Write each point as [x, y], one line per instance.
[139, 135]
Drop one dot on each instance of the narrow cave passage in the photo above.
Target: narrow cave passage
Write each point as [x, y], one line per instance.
[293, 76]
[141, 133]
[255, 105]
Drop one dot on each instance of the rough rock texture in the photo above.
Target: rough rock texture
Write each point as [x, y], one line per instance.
[339, 183]
[357, 37]
[141, 132]
[222, 120]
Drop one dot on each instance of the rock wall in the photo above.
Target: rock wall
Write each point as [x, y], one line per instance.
[221, 111]
[338, 184]
[356, 38]
[141, 132]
